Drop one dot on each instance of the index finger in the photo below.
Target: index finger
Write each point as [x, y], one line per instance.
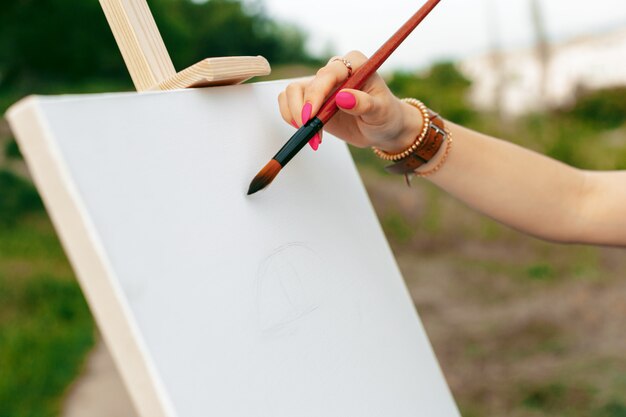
[328, 78]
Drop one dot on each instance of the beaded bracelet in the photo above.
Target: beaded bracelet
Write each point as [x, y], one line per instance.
[426, 146]
[418, 141]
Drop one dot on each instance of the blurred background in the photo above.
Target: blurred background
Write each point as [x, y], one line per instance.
[521, 327]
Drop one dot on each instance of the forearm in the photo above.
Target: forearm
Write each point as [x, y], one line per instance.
[604, 210]
[516, 186]
[513, 185]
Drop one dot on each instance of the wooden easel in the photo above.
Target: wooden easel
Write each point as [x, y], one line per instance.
[149, 63]
[193, 329]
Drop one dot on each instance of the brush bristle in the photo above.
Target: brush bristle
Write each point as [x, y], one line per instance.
[265, 176]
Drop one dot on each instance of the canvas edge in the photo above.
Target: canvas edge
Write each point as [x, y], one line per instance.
[87, 256]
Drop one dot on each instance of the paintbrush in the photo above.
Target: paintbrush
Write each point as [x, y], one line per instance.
[329, 108]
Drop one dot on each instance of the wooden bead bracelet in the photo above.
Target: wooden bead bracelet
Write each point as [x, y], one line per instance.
[418, 141]
[426, 145]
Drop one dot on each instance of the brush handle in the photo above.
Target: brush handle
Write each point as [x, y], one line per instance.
[298, 140]
[361, 75]
[356, 81]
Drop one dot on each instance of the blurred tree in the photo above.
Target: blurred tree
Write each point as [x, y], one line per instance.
[47, 41]
[55, 40]
[225, 28]
[19, 198]
[541, 44]
[496, 55]
[443, 88]
[601, 109]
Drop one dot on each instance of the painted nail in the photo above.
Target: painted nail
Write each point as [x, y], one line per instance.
[306, 112]
[306, 115]
[315, 141]
[345, 100]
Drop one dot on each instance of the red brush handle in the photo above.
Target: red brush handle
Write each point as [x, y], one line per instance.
[361, 75]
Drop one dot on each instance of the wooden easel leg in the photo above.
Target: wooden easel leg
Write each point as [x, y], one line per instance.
[149, 63]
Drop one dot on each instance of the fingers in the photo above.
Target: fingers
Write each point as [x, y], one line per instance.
[301, 100]
[295, 101]
[295, 112]
[292, 101]
[283, 106]
[328, 78]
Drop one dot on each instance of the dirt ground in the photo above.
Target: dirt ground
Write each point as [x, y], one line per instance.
[521, 327]
[99, 392]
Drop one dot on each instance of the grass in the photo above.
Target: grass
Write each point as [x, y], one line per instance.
[558, 397]
[18, 198]
[612, 409]
[45, 331]
[46, 328]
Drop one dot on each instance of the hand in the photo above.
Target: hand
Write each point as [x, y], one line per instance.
[372, 116]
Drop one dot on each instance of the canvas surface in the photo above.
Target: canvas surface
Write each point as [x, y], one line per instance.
[285, 303]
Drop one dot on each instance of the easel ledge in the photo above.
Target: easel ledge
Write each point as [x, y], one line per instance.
[149, 63]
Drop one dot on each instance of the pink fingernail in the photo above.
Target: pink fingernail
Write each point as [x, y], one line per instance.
[345, 100]
[306, 112]
[293, 122]
[315, 142]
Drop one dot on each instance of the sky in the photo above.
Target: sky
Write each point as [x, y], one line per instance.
[454, 29]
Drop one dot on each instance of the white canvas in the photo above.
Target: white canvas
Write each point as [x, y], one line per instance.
[213, 303]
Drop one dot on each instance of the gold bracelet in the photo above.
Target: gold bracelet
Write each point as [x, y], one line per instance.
[418, 141]
[442, 160]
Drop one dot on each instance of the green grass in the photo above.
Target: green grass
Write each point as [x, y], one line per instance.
[45, 331]
[11, 150]
[18, 197]
[558, 397]
[397, 227]
[613, 408]
[46, 328]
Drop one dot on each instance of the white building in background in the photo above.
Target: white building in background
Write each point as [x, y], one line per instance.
[591, 62]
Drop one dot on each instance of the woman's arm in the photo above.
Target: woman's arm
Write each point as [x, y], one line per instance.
[516, 186]
[533, 193]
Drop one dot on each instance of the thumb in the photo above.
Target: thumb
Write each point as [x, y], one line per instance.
[354, 102]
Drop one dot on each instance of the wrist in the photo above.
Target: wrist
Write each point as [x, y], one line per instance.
[426, 144]
[412, 122]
